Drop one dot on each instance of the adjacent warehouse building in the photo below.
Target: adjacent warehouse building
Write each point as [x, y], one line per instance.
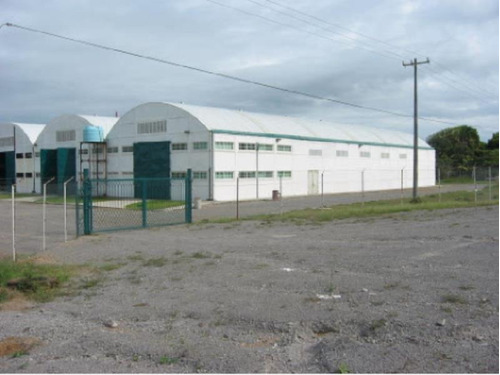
[69, 144]
[259, 152]
[17, 151]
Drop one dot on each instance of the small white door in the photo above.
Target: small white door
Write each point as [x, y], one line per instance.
[312, 185]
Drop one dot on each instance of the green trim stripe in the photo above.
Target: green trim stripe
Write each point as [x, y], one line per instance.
[314, 139]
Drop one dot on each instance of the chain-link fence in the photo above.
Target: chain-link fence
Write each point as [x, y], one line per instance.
[106, 205]
[325, 189]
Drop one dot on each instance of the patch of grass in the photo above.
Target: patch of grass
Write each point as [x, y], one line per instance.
[91, 283]
[111, 267]
[19, 354]
[178, 252]
[165, 360]
[391, 285]
[343, 368]
[40, 282]
[260, 266]
[330, 288]
[137, 257]
[155, 204]
[458, 199]
[155, 262]
[447, 309]
[453, 298]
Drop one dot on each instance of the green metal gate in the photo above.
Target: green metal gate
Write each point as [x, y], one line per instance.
[48, 169]
[121, 208]
[7, 170]
[66, 168]
[152, 160]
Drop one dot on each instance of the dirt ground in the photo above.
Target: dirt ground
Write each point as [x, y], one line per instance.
[411, 292]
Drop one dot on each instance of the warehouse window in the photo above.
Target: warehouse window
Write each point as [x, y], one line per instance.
[284, 174]
[152, 127]
[315, 152]
[19, 155]
[246, 146]
[65, 135]
[29, 175]
[179, 146]
[284, 148]
[385, 155]
[200, 145]
[246, 174]
[127, 148]
[178, 174]
[224, 175]
[28, 155]
[6, 141]
[342, 153]
[224, 145]
[265, 147]
[266, 174]
[84, 152]
[112, 150]
[20, 175]
[37, 154]
[364, 154]
[200, 175]
[402, 156]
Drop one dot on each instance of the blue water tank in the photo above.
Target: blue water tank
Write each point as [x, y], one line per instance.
[93, 134]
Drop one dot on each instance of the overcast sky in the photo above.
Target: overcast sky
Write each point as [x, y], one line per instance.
[348, 50]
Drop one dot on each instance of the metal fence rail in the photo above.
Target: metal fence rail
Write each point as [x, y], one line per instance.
[108, 205]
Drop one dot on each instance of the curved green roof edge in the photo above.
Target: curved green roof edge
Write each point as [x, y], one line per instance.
[315, 139]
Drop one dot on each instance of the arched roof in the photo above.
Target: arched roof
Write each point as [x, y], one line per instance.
[219, 120]
[32, 131]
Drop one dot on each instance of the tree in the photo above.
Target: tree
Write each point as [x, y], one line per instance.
[457, 148]
[493, 142]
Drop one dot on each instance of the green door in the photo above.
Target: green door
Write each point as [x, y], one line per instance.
[7, 169]
[48, 169]
[152, 160]
[66, 167]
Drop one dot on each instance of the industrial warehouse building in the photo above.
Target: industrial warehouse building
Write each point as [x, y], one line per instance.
[62, 154]
[17, 156]
[259, 152]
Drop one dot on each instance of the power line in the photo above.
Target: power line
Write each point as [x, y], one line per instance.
[460, 82]
[298, 29]
[222, 75]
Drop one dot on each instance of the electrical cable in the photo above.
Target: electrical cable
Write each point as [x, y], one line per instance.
[222, 75]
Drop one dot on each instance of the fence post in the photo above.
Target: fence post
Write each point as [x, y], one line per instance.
[87, 203]
[489, 183]
[13, 196]
[188, 195]
[44, 213]
[65, 210]
[402, 184]
[363, 187]
[322, 191]
[144, 196]
[475, 184]
[237, 198]
[439, 184]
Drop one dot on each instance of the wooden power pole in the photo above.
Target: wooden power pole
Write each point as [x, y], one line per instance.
[414, 63]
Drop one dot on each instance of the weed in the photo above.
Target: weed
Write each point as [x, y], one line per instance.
[175, 278]
[19, 353]
[4, 295]
[91, 283]
[376, 324]
[377, 303]
[137, 257]
[392, 285]
[312, 299]
[260, 266]
[165, 360]
[178, 252]
[330, 288]
[343, 368]
[210, 263]
[155, 262]
[135, 357]
[200, 255]
[466, 287]
[111, 267]
[453, 298]
[447, 309]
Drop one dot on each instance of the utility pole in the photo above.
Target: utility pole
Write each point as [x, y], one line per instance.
[414, 63]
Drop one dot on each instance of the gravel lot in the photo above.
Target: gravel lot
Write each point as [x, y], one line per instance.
[411, 292]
